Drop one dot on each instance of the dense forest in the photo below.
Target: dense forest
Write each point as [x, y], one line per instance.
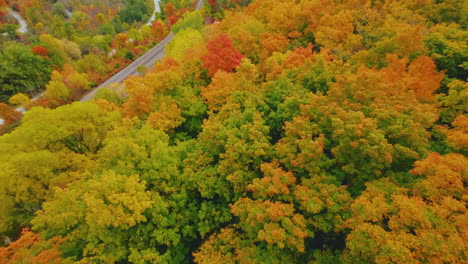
[273, 131]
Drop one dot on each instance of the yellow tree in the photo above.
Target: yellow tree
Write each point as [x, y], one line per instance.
[56, 89]
[95, 224]
[20, 99]
[50, 148]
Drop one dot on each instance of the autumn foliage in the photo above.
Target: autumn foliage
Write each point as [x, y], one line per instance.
[39, 50]
[9, 114]
[158, 30]
[31, 248]
[282, 132]
[222, 55]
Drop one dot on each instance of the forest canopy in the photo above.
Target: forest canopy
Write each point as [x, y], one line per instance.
[274, 131]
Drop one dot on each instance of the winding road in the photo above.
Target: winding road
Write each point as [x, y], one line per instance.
[148, 59]
[22, 29]
[157, 9]
[23, 25]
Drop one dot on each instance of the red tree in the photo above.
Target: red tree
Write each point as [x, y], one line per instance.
[173, 20]
[158, 30]
[171, 17]
[169, 9]
[222, 55]
[41, 51]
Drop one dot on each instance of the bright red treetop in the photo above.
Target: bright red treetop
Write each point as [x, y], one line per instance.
[222, 55]
[41, 51]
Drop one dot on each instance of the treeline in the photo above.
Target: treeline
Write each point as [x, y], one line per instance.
[286, 132]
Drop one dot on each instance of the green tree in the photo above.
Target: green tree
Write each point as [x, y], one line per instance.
[186, 43]
[21, 71]
[188, 20]
[448, 48]
[455, 103]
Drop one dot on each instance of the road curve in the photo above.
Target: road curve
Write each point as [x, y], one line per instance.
[23, 24]
[148, 59]
[157, 9]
